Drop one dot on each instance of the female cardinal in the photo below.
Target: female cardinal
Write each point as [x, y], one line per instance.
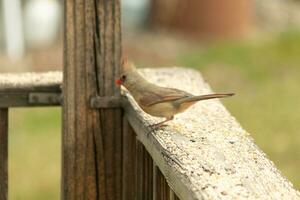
[155, 100]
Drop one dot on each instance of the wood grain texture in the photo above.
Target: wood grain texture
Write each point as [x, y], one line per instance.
[129, 162]
[15, 89]
[144, 173]
[148, 176]
[173, 196]
[92, 140]
[139, 171]
[162, 189]
[204, 153]
[30, 81]
[3, 153]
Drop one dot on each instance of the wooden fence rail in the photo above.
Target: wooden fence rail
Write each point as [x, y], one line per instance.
[202, 154]
[109, 152]
[30, 89]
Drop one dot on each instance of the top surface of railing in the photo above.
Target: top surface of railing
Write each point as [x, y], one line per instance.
[203, 153]
[25, 81]
[210, 156]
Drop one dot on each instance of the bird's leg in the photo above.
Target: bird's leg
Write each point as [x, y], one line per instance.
[153, 127]
[160, 124]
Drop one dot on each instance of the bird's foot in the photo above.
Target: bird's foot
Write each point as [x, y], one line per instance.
[154, 127]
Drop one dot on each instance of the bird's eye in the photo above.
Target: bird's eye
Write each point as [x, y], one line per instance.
[123, 77]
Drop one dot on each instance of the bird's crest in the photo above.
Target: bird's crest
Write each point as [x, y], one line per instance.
[127, 65]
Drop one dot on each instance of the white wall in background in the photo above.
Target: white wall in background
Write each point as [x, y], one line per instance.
[13, 30]
[42, 19]
[134, 13]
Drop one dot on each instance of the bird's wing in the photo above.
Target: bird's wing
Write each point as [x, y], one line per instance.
[162, 95]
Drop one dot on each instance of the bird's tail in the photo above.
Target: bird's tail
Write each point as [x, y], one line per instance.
[207, 96]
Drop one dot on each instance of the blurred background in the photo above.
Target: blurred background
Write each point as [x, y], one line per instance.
[251, 47]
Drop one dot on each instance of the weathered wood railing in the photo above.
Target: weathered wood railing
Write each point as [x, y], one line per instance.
[23, 90]
[202, 154]
[109, 152]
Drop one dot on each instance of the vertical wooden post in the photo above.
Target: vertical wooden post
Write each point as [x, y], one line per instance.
[92, 139]
[3, 152]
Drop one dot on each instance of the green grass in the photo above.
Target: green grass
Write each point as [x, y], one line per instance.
[265, 75]
[34, 153]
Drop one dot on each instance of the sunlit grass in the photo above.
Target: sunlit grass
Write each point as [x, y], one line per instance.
[34, 153]
[265, 75]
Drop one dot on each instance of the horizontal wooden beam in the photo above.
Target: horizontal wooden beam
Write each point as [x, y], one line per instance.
[29, 99]
[30, 89]
[42, 89]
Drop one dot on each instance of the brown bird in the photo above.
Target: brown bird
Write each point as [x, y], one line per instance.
[155, 100]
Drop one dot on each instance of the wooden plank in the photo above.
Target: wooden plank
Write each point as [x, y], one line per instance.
[144, 173]
[204, 153]
[20, 82]
[158, 186]
[154, 181]
[139, 171]
[23, 99]
[162, 189]
[92, 138]
[148, 176]
[173, 196]
[129, 162]
[3, 153]
[17, 90]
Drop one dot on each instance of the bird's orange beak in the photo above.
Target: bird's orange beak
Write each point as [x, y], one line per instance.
[119, 82]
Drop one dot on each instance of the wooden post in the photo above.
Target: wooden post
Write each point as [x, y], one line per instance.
[92, 139]
[3, 152]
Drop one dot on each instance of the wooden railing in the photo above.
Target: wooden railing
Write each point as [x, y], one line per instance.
[202, 154]
[108, 150]
[23, 90]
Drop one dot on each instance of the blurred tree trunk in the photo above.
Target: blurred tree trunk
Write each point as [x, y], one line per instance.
[203, 18]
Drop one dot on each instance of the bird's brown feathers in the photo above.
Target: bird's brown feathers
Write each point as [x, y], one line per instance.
[158, 96]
